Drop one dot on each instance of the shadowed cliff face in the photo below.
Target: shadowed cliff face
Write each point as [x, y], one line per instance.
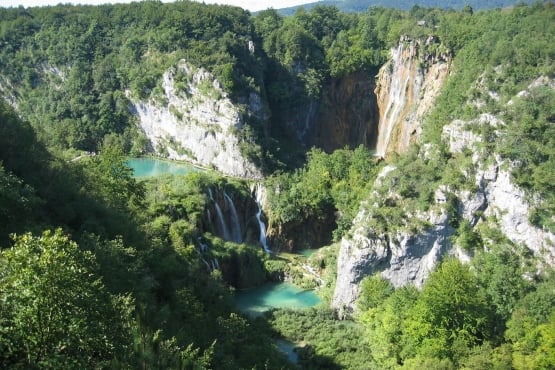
[348, 115]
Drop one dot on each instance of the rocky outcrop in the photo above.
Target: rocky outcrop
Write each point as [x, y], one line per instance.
[407, 86]
[405, 257]
[496, 195]
[193, 119]
[401, 256]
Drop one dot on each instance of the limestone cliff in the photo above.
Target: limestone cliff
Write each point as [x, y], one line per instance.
[407, 86]
[495, 195]
[401, 255]
[406, 252]
[193, 119]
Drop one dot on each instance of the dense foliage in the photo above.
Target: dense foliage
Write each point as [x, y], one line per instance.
[126, 283]
[461, 319]
[56, 313]
[329, 343]
[327, 184]
[102, 270]
[363, 5]
[74, 63]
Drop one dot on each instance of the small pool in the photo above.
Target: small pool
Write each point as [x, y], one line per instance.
[150, 167]
[275, 295]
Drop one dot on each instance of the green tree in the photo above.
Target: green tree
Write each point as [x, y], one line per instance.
[450, 315]
[385, 324]
[17, 203]
[501, 272]
[536, 349]
[54, 310]
[373, 291]
[112, 178]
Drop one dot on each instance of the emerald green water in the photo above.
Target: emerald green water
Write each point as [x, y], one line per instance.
[307, 252]
[149, 167]
[274, 295]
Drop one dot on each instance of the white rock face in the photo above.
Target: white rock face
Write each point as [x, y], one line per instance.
[509, 205]
[358, 257]
[196, 122]
[496, 194]
[404, 257]
[459, 135]
[401, 257]
[413, 257]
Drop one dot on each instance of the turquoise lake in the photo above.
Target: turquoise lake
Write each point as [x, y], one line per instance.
[275, 295]
[150, 167]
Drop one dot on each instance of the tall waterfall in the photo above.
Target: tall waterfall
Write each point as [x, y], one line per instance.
[406, 89]
[397, 96]
[395, 104]
[262, 226]
[222, 227]
[235, 225]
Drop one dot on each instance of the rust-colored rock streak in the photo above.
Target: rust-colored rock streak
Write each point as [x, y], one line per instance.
[406, 89]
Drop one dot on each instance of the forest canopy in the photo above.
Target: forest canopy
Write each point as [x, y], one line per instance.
[148, 281]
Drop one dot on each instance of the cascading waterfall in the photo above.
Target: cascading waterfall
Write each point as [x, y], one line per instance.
[395, 102]
[203, 246]
[261, 224]
[235, 226]
[221, 222]
[209, 216]
[224, 231]
[203, 249]
[406, 88]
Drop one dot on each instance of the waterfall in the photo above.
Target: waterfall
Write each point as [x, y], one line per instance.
[206, 263]
[203, 249]
[396, 98]
[203, 246]
[406, 88]
[209, 216]
[222, 227]
[235, 226]
[262, 226]
[221, 222]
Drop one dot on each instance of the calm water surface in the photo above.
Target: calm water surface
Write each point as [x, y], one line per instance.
[275, 295]
[150, 167]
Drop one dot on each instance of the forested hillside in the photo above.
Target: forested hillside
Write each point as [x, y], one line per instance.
[363, 5]
[437, 253]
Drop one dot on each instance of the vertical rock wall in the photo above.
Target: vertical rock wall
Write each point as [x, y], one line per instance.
[348, 115]
[345, 115]
[194, 120]
[406, 89]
